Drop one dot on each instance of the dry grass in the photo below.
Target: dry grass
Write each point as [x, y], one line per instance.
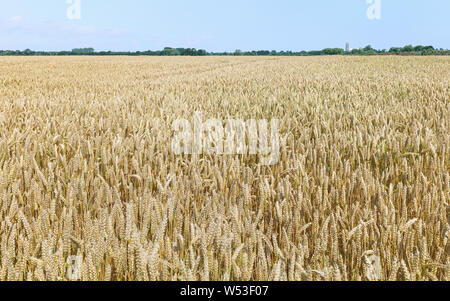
[361, 191]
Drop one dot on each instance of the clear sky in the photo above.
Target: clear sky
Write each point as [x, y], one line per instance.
[222, 25]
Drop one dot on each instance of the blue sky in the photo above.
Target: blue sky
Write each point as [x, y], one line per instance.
[222, 25]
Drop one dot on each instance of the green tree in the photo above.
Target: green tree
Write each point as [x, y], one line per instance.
[408, 48]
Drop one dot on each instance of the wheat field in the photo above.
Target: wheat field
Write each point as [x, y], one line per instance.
[361, 190]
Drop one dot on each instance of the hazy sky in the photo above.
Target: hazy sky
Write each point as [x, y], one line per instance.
[222, 25]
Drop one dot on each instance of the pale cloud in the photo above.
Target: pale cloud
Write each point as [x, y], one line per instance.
[18, 33]
[15, 20]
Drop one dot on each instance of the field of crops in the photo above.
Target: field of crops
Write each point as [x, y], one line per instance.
[90, 188]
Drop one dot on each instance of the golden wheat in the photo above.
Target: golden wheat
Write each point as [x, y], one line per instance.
[361, 190]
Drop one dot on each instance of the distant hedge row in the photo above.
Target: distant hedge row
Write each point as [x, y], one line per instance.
[168, 51]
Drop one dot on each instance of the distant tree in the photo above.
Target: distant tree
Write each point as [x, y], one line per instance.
[315, 52]
[419, 48]
[263, 52]
[408, 48]
[201, 52]
[168, 51]
[333, 51]
[83, 50]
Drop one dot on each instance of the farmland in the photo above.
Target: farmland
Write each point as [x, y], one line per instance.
[90, 188]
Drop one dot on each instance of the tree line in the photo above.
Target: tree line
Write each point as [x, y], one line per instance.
[168, 51]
